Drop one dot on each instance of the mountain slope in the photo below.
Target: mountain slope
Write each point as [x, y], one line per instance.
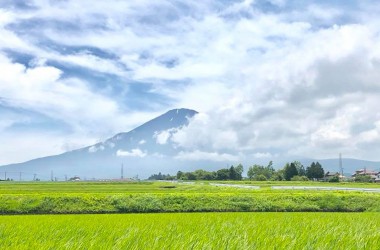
[143, 151]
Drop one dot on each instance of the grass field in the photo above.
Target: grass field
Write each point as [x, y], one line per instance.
[192, 231]
[96, 197]
[153, 187]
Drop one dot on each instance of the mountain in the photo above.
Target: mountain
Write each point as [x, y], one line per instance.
[143, 151]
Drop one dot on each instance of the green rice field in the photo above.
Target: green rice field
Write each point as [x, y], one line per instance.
[147, 197]
[153, 187]
[192, 231]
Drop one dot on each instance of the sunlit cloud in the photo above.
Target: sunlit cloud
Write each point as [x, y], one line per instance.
[271, 78]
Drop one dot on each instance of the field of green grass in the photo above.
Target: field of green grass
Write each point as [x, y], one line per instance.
[18, 188]
[97, 197]
[192, 231]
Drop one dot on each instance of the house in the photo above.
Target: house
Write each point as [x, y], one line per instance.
[329, 175]
[75, 178]
[375, 175]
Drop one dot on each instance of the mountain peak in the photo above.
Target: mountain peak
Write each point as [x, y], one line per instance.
[143, 150]
[181, 110]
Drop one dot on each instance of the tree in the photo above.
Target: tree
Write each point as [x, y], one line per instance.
[200, 174]
[189, 176]
[179, 175]
[269, 167]
[290, 170]
[300, 168]
[319, 171]
[315, 171]
[223, 174]
[254, 170]
[278, 175]
[232, 173]
[239, 172]
[257, 170]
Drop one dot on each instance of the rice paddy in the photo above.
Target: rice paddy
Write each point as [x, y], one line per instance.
[192, 231]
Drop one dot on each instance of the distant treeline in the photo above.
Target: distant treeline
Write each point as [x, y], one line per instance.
[232, 173]
[293, 171]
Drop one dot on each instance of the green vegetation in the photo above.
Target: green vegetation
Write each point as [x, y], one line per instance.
[293, 171]
[143, 203]
[192, 231]
[232, 173]
[92, 197]
[23, 188]
[363, 178]
[255, 172]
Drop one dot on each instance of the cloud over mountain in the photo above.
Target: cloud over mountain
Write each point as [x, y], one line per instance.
[272, 78]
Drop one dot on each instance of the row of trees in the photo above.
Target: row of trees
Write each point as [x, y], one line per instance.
[232, 173]
[291, 171]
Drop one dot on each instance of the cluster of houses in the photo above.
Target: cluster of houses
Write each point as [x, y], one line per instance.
[373, 175]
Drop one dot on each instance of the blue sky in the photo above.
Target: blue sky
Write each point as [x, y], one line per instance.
[272, 79]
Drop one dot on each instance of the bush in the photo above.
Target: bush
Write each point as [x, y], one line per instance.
[334, 179]
[260, 177]
[299, 178]
[363, 178]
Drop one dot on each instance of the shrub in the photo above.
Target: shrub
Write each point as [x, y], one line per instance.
[260, 177]
[299, 178]
[363, 178]
[334, 179]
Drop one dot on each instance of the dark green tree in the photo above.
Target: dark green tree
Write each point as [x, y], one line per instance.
[232, 173]
[189, 176]
[290, 170]
[315, 171]
[179, 175]
[223, 174]
[239, 172]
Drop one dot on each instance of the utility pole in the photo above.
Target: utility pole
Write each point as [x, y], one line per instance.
[341, 164]
[122, 171]
[65, 177]
[34, 177]
[52, 176]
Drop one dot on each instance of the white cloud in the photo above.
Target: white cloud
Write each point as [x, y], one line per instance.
[96, 148]
[162, 137]
[303, 82]
[136, 152]
[197, 155]
[23, 146]
[296, 104]
[261, 155]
